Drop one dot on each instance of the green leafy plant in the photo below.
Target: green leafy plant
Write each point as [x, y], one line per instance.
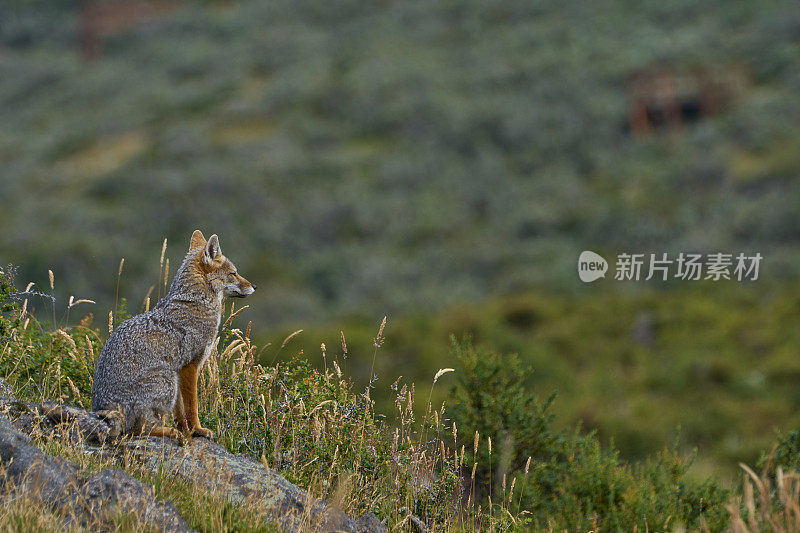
[570, 480]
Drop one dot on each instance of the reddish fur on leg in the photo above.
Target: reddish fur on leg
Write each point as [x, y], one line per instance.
[188, 384]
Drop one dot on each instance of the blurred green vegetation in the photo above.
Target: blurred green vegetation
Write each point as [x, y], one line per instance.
[414, 158]
[713, 366]
[380, 157]
[564, 478]
[569, 481]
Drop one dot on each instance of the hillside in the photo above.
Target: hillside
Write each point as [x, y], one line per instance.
[376, 158]
[442, 163]
[429, 469]
[712, 368]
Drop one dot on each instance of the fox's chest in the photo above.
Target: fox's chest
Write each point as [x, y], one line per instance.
[209, 346]
[203, 344]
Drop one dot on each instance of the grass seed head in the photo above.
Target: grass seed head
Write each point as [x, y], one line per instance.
[163, 249]
[442, 372]
[290, 337]
[379, 339]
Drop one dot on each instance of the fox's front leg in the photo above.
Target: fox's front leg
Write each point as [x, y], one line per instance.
[180, 413]
[188, 383]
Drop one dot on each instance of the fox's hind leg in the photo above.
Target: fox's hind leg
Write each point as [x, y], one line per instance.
[158, 400]
[148, 425]
[163, 431]
[115, 420]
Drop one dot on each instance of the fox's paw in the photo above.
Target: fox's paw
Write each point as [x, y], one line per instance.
[202, 432]
[170, 433]
[174, 434]
[183, 427]
[185, 438]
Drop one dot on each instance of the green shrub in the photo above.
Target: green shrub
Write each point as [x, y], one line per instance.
[786, 453]
[8, 306]
[41, 361]
[571, 480]
[490, 398]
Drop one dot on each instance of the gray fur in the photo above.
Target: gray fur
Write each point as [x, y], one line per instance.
[137, 371]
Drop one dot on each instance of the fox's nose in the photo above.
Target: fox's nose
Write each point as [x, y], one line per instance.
[255, 286]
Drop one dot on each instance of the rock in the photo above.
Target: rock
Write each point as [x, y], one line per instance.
[201, 461]
[92, 502]
[83, 426]
[6, 391]
[33, 471]
[26, 417]
[369, 523]
[115, 488]
[243, 479]
[416, 524]
[88, 425]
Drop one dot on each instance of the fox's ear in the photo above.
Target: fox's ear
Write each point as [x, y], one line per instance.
[197, 239]
[212, 250]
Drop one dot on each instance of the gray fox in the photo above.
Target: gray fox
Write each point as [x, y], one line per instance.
[149, 366]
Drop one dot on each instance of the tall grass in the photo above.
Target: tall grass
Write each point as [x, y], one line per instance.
[317, 427]
[767, 502]
[201, 509]
[310, 420]
[322, 432]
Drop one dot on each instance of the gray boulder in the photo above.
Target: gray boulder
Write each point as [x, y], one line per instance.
[200, 461]
[89, 502]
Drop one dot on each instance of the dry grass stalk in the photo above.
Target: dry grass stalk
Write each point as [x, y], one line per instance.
[290, 337]
[163, 251]
[73, 302]
[166, 275]
[441, 372]
[379, 338]
[770, 504]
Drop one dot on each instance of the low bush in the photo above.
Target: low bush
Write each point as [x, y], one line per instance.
[565, 479]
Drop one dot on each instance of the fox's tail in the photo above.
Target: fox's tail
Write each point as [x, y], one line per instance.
[100, 425]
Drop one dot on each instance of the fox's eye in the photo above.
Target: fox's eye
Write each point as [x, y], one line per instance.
[232, 274]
